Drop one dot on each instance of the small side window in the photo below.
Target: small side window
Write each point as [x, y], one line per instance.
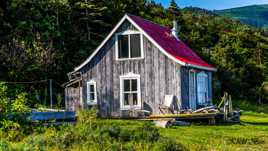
[91, 93]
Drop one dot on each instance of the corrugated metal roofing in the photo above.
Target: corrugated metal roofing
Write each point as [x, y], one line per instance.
[173, 46]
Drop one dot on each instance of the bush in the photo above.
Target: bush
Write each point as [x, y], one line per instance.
[168, 144]
[87, 117]
[147, 132]
[11, 130]
[4, 145]
[114, 131]
[4, 100]
[19, 104]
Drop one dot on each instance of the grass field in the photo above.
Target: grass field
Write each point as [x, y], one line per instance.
[250, 135]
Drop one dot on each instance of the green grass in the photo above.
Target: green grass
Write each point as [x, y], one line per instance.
[250, 135]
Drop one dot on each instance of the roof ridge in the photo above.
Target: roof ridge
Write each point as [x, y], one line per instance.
[148, 20]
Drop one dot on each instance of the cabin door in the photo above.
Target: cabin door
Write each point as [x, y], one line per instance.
[202, 88]
[192, 90]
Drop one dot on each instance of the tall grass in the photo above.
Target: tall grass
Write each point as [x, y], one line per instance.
[95, 134]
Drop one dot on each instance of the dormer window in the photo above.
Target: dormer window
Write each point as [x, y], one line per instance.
[129, 45]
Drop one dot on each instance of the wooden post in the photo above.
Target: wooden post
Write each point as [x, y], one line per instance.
[50, 92]
[225, 97]
[230, 104]
[212, 121]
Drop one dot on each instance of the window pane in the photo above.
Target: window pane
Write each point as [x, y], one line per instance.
[135, 98]
[202, 88]
[134, 85]
[126, 85]
[126, 99]
[123, 46]
[135, 45]
[91, 96]
[91, 88]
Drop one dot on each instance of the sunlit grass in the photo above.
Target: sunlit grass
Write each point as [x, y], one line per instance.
[251, 134]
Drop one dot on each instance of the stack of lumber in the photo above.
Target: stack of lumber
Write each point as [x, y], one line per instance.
[208, 109]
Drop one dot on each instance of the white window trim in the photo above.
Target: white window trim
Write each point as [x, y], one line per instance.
[195, 88]
[206, 75]
[128, 32]
[130, 76]
[92, 82]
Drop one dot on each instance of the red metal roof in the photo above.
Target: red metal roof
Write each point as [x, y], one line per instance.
[173, 46]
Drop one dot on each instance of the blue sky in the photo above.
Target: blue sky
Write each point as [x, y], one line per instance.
[214, 4]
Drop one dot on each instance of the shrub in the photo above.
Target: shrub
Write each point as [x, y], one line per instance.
[4, 100]
[147, 132]
[11, 130]
[87, 117]
[19, 104]
[114, 131]
[125, 135]
[35, 143]
[167, 144]
[4, 145]
[65, 138]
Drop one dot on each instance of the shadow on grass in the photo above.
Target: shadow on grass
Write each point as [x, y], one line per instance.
[255, 123]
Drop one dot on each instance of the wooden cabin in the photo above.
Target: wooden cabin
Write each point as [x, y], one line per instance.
[141, 66]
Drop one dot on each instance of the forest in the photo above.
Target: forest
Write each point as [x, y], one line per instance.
[244, 14]
[46, 39]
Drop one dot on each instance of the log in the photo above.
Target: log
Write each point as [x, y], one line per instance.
[162, 123]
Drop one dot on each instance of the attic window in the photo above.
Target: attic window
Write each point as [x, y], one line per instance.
[129, 45]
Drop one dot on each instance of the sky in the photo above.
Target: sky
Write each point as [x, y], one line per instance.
[214, 4]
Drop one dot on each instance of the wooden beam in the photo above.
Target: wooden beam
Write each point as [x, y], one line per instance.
[197, 115]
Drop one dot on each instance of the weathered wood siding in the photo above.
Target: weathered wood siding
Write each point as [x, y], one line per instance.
[72, 98]
[159, 76]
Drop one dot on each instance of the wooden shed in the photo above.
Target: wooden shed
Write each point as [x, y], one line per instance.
[141, 66]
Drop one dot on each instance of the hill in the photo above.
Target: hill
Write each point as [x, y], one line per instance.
[255, 15]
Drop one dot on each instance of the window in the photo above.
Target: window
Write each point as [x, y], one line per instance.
[129, 45]
[202, 88]
[130, 91]
[91, 93]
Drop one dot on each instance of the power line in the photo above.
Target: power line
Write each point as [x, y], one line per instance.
[32, 82]
[25, 82]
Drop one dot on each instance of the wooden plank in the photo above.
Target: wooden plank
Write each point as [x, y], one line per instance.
[197, 115]
[156, 80]
[163, 75]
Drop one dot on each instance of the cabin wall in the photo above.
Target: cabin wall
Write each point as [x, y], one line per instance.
[73, 100]
[159, 76]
